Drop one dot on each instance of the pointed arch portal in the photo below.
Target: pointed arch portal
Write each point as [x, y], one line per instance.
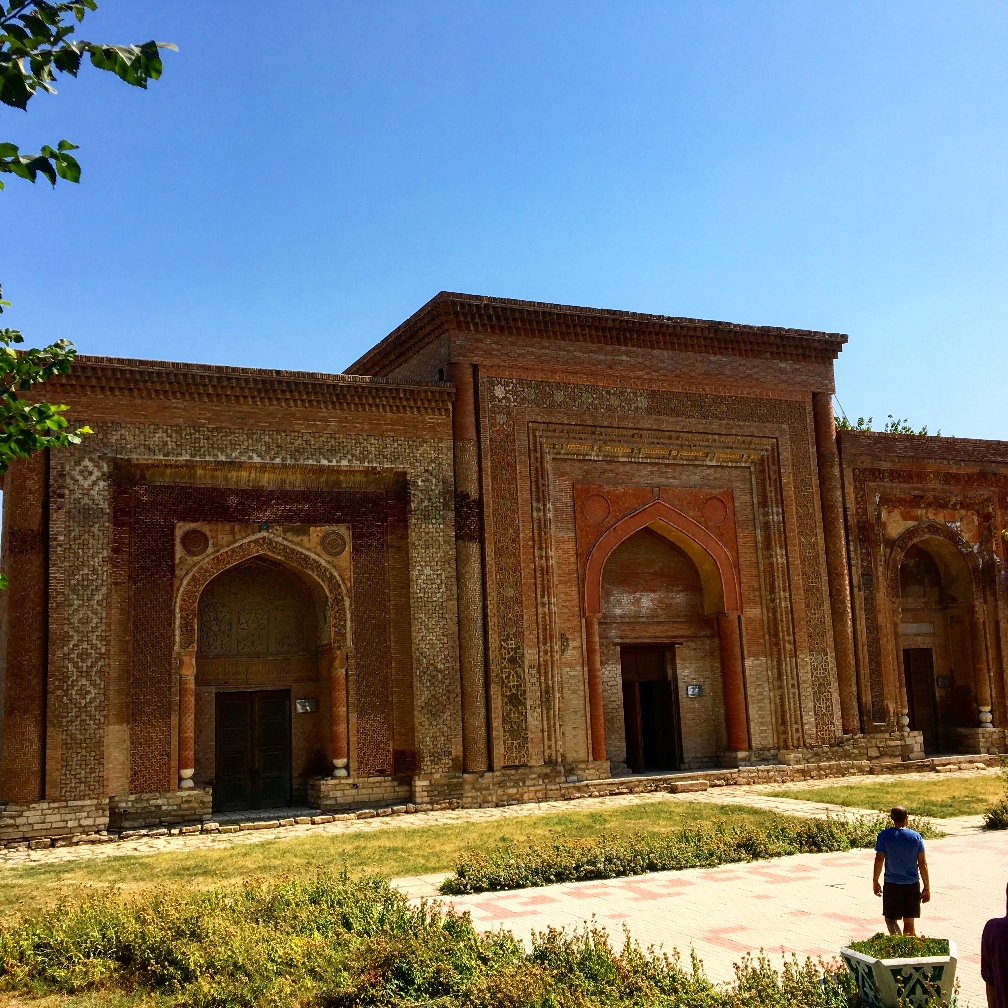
[721, 598]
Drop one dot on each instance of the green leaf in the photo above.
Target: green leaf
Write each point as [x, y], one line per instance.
[67, 167]
[8, 150]
[65, 145]
[43, 166]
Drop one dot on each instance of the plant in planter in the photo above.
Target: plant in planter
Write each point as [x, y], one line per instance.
[896, 970]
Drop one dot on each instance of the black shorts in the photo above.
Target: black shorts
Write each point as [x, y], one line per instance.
[899, 901]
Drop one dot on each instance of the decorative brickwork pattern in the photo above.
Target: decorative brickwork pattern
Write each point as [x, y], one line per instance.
[938, 482]
[81, 521]
[508, 618]
[503, 398]
[77, 691]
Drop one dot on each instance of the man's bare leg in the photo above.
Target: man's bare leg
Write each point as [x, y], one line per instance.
[909, 926]
[893, 926]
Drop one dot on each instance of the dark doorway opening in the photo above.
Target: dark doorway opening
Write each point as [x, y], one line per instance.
[253, 751]
[922, 699]
[651, 708]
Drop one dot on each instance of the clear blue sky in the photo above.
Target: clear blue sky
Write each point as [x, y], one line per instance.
[305, 176]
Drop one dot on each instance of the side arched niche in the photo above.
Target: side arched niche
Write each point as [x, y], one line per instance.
[260, 617]
[939, 635]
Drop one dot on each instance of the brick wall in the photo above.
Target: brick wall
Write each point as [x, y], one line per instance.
[160, 808]
[340, 793]
[52, 819]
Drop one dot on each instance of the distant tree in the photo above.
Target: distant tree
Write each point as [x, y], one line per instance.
[36, 44]
[891, 426]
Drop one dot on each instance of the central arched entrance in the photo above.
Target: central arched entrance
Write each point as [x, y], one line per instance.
[663, 644]
[262, 709]
[652, 611]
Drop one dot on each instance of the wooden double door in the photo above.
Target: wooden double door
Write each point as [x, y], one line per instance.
[252, 750]
[651, 708]
[922, 700]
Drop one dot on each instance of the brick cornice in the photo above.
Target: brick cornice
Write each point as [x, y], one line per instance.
[154, 380]
[879, 447]
[469, 313]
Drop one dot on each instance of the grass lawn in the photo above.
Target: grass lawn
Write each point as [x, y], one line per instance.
[393, 853]
[943, 797]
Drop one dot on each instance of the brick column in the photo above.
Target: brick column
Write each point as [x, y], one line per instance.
[338, 711]
[831, 502]
[187, 718]
[981, 674]
[730, 640]
[595, 708]
[24, 631]
[469, 571]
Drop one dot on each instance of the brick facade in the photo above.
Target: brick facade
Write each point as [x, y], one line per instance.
[511, 492]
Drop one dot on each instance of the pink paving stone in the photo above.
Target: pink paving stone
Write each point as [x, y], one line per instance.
[649, 894]
[586, 894]
[826, 902]
[719, 937]
[540, 899]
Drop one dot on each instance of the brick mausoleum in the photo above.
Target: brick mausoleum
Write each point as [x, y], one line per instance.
[517, 550]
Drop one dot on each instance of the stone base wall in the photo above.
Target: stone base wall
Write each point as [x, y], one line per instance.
[47, 824]
[874, 747]
[53, 819]
[341, 793]
[160, 808]
[976, 740]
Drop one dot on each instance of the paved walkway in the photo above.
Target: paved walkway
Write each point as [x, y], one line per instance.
[810, 904]
[751, 795]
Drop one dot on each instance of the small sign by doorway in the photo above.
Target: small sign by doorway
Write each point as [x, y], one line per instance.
[307, 706]
[694, 690]
[944, 681]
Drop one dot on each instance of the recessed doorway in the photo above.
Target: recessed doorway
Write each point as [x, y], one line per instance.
[651, 708]
[922, 701]
[253, 748]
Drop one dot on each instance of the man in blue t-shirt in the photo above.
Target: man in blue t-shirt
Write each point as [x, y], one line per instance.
[901, 850]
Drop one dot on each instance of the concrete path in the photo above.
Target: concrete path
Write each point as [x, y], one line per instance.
[810, 904]
[752, 795]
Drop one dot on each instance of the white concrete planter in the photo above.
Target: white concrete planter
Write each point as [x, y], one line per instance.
[879, 981]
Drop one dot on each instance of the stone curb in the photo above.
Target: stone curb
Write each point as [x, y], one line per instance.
[702, 781]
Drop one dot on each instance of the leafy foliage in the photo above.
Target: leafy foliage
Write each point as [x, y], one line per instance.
[727, 841]
[328, 941]
[996, 817]
[892, 426]
[36, 44]
[900, 946]
[27, 426]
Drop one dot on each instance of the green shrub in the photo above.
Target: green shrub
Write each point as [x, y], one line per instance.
[725, 841]
[899, 946]
[333, 943]
[996, 817]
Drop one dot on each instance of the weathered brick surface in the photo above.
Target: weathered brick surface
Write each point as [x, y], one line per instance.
[713, 420]
[160, 809]
[51, 819]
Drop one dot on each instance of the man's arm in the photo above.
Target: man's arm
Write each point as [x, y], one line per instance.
[879, 862]
[991, 996]
[923, 868]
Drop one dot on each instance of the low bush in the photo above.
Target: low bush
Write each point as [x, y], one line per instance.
[996, 817]
[335, 943]
[576, 860]
[899, 946]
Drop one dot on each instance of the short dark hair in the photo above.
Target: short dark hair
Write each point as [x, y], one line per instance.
[898, 814]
